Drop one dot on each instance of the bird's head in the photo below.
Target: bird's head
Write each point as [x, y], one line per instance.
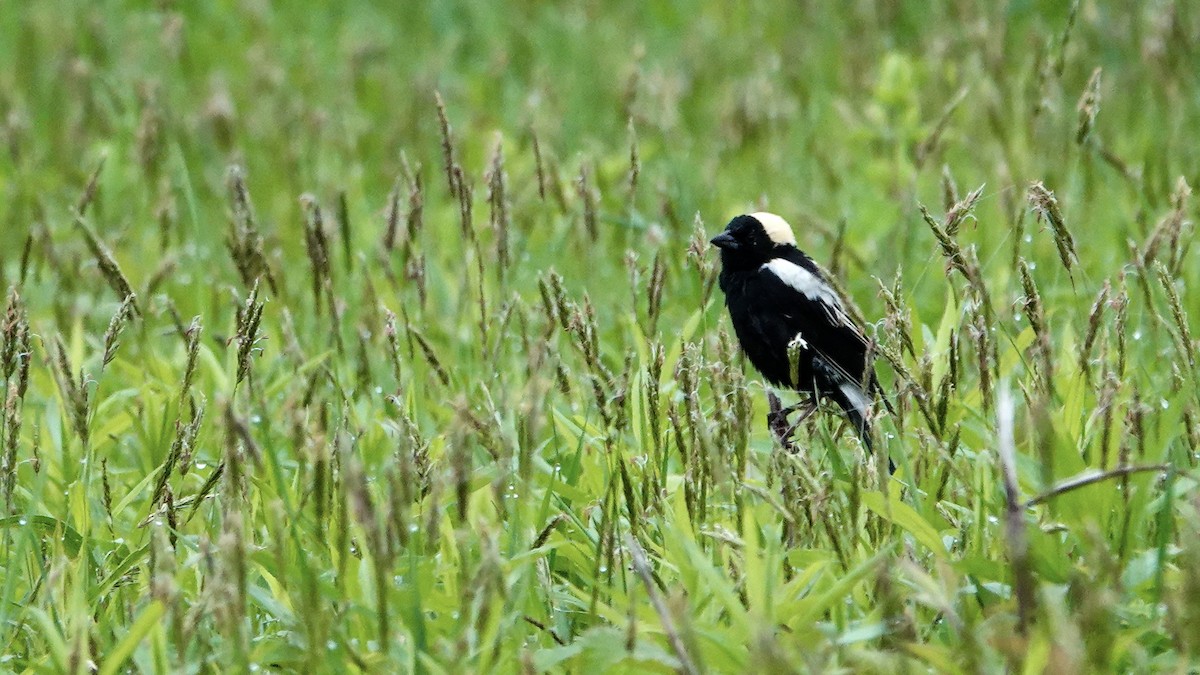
[751, 240]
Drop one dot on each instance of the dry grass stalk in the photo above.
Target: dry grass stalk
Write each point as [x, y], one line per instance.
[1037, 319]
[588, 196]
[961, 210]
[414, 220]
[345, 231]
[113, 332]
[674, 638]
[1045, 205]
[699, 257]
[1182, 332]
[635, 165]
[243, 240]
[391, 218]
[929, 144]
[109, 268]
[1120, 322]
[1093, 329]
[316, 245]
[393, 339]
[89, 191]
[452, 177]
[949, 189]
[192, 336]
[10, 430]
[1091, 478]
[179, 454]
[74, 390]
[654, 292]
[247, 336]
[498, 203]
[1060, 58]
[414, 271]
[1018, 545]
[986, 353]
[430, 356]
[537, 158]
[1088, 107]
[15, 347]
[1169, 229]
[1179, 243]
[466, 195]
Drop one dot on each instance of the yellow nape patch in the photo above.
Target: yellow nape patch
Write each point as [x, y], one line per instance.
[777, 228]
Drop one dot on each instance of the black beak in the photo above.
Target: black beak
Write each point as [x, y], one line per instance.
[726, 241]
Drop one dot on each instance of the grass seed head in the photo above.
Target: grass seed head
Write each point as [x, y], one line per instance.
[243, 240]
[1093, 329]
[1045, 205]
[452, 177]
[588, 196]
[115, 326]
[247, 335]
[498, 203]
[109, 268]
[1088, 107]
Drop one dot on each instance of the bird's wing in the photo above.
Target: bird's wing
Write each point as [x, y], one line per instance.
[806, 307]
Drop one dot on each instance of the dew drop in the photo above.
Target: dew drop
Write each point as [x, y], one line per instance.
[413, 528]
[1164, 404]
[22, 522]
[603, 569]
[256, 419]
[1028, 238]
[201, 465]
[378, 390]
[1137, 335]
[331, 645]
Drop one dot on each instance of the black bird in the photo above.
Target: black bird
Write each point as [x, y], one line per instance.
[781, 306]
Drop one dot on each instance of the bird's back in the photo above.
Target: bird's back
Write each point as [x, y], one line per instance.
[768, 315]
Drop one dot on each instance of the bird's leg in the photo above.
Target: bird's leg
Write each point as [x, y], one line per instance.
[777, 418]
[806, 408]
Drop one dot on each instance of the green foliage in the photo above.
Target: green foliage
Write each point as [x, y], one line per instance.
[459, 393]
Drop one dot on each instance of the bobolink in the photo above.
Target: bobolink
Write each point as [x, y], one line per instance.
[789, 320]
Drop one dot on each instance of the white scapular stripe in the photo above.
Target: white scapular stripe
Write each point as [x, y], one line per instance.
[803, 281]
[777, 228]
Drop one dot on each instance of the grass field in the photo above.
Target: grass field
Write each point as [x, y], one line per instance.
[373, 339]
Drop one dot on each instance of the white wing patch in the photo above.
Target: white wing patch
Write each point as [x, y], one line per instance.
[777, 228]
[805, 282]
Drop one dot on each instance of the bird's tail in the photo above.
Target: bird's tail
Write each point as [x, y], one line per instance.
[857, 406]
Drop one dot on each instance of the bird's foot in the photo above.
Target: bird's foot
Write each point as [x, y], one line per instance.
[777, 419]
[806, 409]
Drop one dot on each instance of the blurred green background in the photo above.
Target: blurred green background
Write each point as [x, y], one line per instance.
[547, 444]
